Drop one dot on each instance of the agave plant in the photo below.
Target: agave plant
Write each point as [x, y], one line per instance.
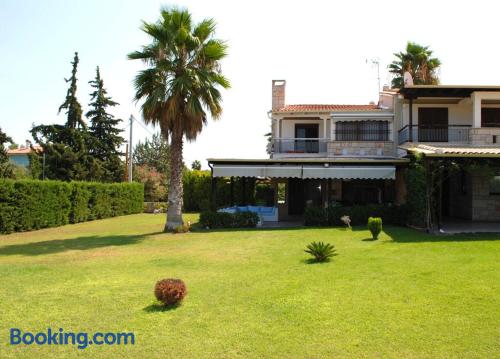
[321, 251]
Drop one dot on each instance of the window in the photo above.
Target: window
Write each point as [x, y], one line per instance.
[362, 131]
[495, 184]
[490, 117]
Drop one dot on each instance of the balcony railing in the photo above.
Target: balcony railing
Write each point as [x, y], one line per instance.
[369, 134]
[451, 133]
[299, 145]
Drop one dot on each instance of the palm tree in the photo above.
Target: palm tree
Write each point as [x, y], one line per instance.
[418, 61]
[179, 86]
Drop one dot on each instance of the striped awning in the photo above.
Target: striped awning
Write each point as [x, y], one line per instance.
[349, 172]
[299, 171]
[269, 171]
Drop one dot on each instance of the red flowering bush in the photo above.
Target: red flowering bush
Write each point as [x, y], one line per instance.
[170, 291]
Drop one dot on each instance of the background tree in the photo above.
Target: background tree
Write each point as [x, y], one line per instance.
[154, 153]
[71, 104]
[418, 61]
[4, 140]
[178, 87]
[6, 168]
[104, 139]
[196, 165]
[65, 146]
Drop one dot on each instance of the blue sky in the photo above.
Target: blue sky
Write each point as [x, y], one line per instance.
[320, 48]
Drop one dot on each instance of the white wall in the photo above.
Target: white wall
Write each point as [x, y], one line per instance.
[458, 114]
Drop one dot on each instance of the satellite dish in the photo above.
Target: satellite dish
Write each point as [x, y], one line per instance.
[407, 79]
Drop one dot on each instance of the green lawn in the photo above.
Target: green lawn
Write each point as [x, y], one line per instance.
[252, 293]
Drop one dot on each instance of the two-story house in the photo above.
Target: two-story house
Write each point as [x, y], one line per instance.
[358, 154]
[460, 123]
[327, 153]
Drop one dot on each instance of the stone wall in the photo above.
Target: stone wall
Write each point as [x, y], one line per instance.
[361, 148]
[485, 206]
[484, 135]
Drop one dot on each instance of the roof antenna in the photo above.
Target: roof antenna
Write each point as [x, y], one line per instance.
[375, 62]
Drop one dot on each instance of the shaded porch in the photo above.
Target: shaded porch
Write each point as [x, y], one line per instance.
[297, 185]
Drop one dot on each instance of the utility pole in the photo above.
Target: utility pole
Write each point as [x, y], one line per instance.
[130, 149]
[125, 175]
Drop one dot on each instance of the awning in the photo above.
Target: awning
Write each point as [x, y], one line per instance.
[257, 171]
[320, 172]
[350, 172]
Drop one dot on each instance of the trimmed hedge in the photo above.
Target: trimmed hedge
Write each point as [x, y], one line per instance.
[31, 204]
[390, 214]
[213, 219]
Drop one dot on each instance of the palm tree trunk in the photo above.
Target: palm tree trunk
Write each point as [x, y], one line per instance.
[175, 188]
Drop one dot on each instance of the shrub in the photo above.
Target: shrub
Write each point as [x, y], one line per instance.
[212, 219]
[375, 226]
[183, 229]
[170, 291]
[245, 219]
[331, 216]
[321, 252]
[32, 204]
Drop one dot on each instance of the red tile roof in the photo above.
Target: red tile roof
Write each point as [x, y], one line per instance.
[23, 150]
[327, 108]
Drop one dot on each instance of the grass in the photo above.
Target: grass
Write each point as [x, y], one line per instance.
[252, 293]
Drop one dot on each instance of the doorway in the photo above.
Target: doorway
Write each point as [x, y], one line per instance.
[433, 124]
[302, 134]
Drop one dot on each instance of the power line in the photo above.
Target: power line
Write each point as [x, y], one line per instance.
[144, 127]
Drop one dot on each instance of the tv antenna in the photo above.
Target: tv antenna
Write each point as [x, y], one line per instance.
[375, 62]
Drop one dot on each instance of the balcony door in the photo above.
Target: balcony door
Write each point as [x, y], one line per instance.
[302, 134]
[433, 124]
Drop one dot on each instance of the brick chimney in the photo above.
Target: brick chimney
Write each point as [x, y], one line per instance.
[278, 94]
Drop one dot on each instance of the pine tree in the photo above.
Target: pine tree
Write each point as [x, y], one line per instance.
[71, 104]
[104, 135]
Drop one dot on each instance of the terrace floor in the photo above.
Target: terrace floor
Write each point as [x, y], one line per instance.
[455, 226]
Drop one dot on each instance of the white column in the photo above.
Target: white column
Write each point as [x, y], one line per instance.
[278, 134]
[476, 110]
[324, 127]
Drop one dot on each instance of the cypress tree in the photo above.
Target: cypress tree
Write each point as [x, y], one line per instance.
[65, 146]
[71, 104]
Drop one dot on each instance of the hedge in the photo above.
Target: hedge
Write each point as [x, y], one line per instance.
[212, 219]
[31, 204]
[390, 214]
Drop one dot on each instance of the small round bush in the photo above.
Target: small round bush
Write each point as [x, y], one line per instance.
[170, 291]
[375, 226]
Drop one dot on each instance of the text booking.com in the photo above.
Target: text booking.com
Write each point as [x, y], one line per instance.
[59, 337]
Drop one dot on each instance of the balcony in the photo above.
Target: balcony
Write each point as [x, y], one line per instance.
[450, 133]
[299, 145]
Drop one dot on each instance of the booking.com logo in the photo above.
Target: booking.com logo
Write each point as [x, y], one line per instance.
[60, 337]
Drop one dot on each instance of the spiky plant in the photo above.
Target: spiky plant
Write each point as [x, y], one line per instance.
[321, 251]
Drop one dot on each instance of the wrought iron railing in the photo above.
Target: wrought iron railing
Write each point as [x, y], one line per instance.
[450, 133]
